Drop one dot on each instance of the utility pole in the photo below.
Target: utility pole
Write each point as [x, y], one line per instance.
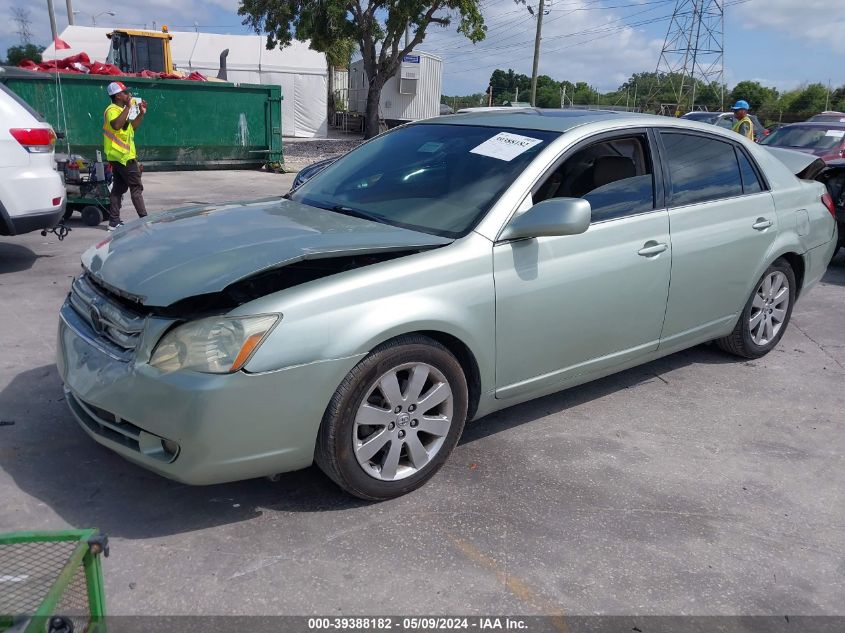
[489, 95]
[536, 54]
[52, 19]
[69, 4]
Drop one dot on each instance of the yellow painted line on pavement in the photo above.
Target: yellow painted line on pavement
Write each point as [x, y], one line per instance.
[516, 586]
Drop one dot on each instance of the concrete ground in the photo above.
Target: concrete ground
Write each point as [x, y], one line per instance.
[697, 484]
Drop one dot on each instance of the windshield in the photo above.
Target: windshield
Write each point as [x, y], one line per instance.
[435, 178]
[806, 137]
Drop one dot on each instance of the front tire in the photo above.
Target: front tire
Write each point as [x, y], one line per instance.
[394, 419]
[766, 314]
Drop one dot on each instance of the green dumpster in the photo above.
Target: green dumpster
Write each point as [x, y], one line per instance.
[188, 125]
[52, 581]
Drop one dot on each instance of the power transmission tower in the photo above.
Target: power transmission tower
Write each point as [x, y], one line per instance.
[693, 53]
[20, 15]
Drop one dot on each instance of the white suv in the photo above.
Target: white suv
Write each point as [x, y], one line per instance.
[32, 194]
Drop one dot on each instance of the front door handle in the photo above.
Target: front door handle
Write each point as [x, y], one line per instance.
[762, 224]
[652, 248]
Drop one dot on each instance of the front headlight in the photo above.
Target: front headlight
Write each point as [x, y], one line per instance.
[217, 345]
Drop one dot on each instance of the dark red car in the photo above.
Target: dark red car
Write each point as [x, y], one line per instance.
[823, 139]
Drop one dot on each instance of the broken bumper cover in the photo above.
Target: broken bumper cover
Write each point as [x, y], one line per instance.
[191, 427]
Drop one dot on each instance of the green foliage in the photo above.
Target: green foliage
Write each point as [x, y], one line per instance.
[470, 101]
[754, 93]
[812, 99]
[339, 52]
[506, 84]
[648, 91]
[16, 54]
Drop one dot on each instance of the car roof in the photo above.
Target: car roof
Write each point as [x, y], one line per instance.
[542, 119]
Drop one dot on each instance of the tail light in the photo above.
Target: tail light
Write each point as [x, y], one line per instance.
[36, 140]
[828, 202]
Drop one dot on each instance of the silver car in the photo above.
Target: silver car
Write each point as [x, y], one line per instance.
[438, 273]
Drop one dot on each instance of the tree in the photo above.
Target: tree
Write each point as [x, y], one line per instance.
[508, 84]
[811, 100]
[754, 93]
[338, 55]
[376, 26]
[16, 54]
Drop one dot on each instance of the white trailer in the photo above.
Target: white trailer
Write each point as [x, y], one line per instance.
[412, 94]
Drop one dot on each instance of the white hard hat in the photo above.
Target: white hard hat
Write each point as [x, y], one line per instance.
[115, 87]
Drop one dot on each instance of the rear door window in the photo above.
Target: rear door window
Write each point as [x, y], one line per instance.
[750, 181]
[700, 168]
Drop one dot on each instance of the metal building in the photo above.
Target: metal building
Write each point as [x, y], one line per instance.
[412, 94]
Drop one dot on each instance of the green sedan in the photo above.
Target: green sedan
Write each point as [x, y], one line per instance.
[442, 271]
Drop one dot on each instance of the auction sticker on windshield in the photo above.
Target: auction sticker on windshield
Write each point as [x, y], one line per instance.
[505, 146]
[835, 133]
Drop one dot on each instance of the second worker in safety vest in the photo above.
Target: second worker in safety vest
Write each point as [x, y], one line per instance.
[744, 125]
[119, 147]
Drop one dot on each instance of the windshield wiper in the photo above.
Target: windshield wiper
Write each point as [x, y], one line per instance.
[339, 208]
[356, 213]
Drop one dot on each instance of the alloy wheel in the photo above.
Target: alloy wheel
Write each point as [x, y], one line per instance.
[403, 421]
[769, 308]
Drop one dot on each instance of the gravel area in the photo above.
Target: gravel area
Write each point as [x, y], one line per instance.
[300, 153]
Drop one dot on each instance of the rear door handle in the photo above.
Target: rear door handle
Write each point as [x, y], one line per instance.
[652, 248]
[761, 224]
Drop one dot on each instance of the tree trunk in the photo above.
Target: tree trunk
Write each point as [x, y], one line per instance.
[371, 126]
[330, 102]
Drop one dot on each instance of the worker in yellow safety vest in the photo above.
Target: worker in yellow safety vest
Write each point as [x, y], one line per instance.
[743, 124]
[119, 147]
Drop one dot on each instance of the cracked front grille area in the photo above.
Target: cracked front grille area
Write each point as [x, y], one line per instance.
[113, 324]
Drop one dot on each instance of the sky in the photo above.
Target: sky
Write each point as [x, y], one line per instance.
[781, 43]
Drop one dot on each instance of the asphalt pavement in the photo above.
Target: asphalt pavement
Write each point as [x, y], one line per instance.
[697, 484]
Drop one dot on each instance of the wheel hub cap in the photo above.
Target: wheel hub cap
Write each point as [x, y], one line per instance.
[769, 308]
[402, 421]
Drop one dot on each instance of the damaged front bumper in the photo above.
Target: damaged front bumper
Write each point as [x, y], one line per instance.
[192, 427]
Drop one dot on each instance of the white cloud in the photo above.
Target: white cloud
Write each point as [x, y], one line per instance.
[602, 47]
[128, 14]
[821, 21]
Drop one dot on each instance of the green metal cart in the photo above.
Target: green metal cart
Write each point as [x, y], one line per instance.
[52, 582]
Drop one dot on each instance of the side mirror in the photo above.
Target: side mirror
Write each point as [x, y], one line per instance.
[549, 218]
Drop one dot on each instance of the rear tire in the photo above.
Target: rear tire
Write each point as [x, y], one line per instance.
[394, 419]
[91, 215]
[765, 315]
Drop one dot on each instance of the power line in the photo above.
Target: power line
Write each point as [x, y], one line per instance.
[588, 31]
[609, 33]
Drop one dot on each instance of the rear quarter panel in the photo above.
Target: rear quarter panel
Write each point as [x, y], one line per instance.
[806, 227]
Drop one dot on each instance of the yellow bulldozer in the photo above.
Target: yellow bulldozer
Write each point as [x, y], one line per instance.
[134, 50]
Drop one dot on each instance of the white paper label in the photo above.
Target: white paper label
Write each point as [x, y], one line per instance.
[835, 133]
[842, 120]
[505, 146]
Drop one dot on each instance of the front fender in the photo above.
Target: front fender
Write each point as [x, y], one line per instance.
[448, 290]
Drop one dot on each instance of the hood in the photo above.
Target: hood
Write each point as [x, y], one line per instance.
[200, 250]
[802, 164]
